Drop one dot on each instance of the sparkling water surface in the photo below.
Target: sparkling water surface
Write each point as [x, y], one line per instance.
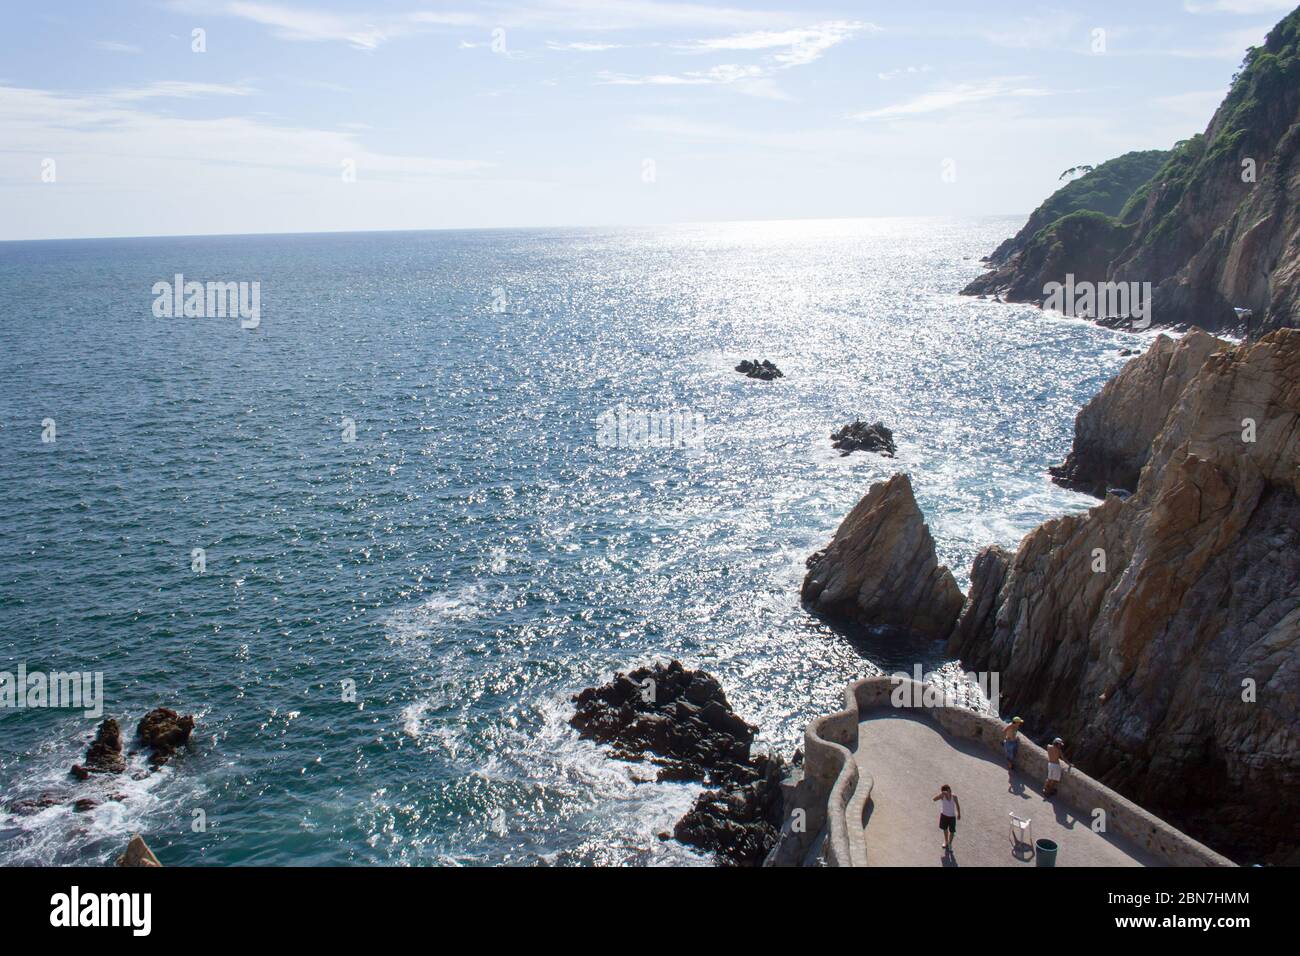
[476, 556]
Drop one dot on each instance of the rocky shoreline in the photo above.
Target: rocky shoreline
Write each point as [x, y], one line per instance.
[680, 720]
[1155, 631]
[161, 732]
[1158, 630]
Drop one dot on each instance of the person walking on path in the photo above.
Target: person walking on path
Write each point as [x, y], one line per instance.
[949, 814]
[1055, 757]
[1011, 741]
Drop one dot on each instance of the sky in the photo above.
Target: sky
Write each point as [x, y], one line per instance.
[193, 117]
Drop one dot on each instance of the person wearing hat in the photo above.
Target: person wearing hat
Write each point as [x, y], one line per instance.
[1055, 757]
[1011, 741]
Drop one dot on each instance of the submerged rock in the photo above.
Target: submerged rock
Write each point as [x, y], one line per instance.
[764, 370]
[1160, 634]
[105, 752]
[162, 730]
[28, 806]
[880, 569]
[680, 720]
[859, 436]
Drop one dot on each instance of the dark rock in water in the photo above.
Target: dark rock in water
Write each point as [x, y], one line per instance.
[681, 718]
[84, 805]
[32, 805]
[764, 370]
[1128, 352]
[105, 753]
[740, 823]
[162, 730]
[859, 436]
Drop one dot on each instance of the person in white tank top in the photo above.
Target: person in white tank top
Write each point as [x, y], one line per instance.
[949, 814]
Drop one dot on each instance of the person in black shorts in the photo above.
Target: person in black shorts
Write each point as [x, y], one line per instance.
[949, 814]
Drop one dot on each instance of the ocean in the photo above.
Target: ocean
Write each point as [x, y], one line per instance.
[375, 542]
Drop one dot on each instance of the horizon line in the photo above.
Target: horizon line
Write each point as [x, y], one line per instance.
[643, 225]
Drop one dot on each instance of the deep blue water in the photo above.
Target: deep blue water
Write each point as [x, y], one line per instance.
[476, 555]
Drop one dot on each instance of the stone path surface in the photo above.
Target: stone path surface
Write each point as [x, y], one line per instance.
[909, 758]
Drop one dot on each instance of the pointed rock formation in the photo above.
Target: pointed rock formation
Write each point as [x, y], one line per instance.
[1113, 433]
[880, 569]
[137, 853]
[1159, 635]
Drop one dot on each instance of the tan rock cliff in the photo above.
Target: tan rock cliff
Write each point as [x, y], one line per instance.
[1159, 635]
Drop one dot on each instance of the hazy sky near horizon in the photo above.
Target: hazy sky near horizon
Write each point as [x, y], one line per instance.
[306, 115]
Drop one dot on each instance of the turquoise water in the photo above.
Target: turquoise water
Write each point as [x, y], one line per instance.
[475, 556]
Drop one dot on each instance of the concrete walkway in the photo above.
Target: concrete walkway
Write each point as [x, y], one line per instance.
[910, 757]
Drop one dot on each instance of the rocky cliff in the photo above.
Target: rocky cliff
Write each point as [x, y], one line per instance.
[1159, 635]
[1215, 229]
[880, 569]
[1114, 432]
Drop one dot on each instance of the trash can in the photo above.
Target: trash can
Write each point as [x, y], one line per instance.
[1045, 852]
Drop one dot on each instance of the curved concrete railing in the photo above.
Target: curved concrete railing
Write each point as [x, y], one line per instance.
[834, 793]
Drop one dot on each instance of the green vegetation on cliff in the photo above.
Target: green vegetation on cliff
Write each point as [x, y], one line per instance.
[1211, 224]
[1108, 190]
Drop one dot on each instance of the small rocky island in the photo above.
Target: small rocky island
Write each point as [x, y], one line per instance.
[859, 436]
[680, 720]
[161, 732]
[763, 370]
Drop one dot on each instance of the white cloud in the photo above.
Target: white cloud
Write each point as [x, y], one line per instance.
[581, 47]
[800, 47]
[108, 132]
[179, 89]
[368, 31]
[360, 31]
[805, 44]
[115, 46]
[1238, 6]
[952, 97]
[903, 71]
[721, 74]
[1047, 31]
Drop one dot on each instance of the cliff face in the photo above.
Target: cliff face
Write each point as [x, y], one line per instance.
[1114, 432]
[1081, 244]
[1218, 225]
[880, 569]
[1159, 635]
